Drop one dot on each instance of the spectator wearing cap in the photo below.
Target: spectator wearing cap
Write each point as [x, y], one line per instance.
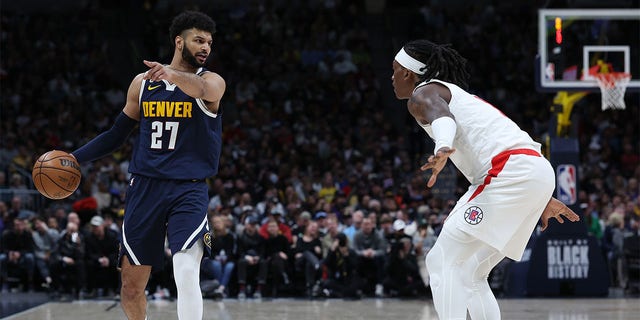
[321, 219]
[370, 248]
[252, 265]
[400, 228]
[101, 247]
[277, 215]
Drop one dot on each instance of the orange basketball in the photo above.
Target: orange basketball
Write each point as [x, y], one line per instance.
[56, 174]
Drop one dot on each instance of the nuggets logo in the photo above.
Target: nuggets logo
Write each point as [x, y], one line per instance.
[473, 215]
[207, 239]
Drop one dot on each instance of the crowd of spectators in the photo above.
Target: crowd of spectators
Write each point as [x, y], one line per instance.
[318, 193]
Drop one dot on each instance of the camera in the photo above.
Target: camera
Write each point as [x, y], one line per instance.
[342, 240]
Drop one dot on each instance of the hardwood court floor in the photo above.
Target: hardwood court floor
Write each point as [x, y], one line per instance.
[333, 309]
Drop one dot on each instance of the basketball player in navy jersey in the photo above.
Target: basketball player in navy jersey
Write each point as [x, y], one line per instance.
[177, 109]
[511, 183]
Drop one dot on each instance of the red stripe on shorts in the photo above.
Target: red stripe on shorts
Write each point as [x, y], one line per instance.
[497, 164]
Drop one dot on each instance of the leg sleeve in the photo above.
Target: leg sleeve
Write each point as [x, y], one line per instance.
[186, 270]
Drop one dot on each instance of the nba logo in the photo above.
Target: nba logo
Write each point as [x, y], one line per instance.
[566, 175]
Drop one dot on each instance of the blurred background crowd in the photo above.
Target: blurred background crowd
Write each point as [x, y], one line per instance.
[319, 191]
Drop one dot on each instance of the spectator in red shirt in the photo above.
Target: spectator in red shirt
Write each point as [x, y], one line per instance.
[277, 213]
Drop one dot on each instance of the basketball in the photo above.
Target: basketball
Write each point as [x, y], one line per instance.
[56, 174]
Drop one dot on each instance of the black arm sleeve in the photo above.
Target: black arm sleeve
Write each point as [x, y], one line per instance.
[108, 141]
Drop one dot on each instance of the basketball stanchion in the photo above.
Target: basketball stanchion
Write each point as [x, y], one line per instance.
[566, 100]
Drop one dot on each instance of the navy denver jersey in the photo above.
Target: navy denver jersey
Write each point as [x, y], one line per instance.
[179, 137]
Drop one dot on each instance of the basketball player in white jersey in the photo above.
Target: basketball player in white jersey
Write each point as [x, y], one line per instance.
[511, 183]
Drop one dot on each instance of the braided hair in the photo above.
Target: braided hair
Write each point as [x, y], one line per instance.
[443, 62]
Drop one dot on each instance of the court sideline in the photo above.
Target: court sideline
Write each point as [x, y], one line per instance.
[331, 309]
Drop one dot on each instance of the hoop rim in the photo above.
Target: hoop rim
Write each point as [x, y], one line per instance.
[612, 75]
[612, 79]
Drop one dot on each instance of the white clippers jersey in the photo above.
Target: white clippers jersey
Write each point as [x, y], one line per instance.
[482, 132]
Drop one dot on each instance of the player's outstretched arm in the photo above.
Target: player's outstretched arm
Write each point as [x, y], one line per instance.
[112, 139]
[557, 210]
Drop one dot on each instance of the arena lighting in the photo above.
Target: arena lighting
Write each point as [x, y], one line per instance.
[558, 30]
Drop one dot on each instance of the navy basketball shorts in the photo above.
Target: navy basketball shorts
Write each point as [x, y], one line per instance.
[156, 208]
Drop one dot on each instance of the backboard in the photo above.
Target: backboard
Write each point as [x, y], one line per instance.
[571, 41]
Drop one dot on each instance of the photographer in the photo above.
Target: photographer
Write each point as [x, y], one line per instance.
[402, 273]
[342, 280]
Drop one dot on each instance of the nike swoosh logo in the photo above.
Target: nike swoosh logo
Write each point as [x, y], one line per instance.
[154, 87]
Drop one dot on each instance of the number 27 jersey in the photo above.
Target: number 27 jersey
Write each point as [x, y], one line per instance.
[179, 137]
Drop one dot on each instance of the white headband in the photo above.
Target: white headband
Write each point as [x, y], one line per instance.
[409, 62]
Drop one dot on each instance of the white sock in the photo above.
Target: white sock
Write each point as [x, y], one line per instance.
[186, 270]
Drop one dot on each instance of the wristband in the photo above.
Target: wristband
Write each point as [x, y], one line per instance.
[444, 131]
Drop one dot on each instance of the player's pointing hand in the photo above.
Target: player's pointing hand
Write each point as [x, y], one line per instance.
[157, 71]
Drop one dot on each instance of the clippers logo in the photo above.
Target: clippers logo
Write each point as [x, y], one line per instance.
[566, 175]
[473, 215]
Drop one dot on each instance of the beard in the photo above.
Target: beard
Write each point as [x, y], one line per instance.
[190, 58]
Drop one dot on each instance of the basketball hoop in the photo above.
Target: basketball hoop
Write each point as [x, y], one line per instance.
[613, 86]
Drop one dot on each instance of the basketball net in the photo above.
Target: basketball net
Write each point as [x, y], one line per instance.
[613, 86]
